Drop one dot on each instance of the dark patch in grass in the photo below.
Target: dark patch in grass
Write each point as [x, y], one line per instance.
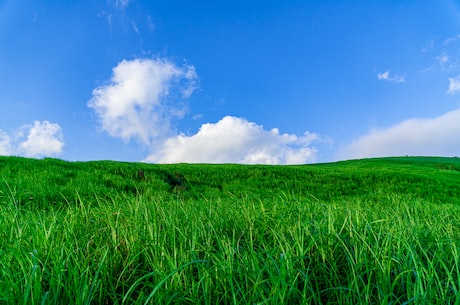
[176, 181]
[451, 167]
[140, 174]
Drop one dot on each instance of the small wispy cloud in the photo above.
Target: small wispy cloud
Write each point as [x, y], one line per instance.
[394, 79]
[41, 139]
[446, 60]
[120, 4]
[443, 59]
[454, 85]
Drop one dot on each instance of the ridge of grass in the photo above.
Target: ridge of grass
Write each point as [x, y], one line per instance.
[53, 181]
[371, 231]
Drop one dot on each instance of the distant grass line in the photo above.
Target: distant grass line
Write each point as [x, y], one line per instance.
[52, 181]
[228, 234]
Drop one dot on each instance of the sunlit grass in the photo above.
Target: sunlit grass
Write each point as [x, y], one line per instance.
[141, 250]
[181, 245]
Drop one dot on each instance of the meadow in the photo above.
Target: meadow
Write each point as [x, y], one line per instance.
[371, 231]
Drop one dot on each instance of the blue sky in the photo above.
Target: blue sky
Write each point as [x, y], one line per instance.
[275, 82]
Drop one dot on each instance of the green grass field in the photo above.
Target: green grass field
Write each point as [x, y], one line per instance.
[373, 231]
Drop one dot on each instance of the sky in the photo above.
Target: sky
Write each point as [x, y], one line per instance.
[257, 82]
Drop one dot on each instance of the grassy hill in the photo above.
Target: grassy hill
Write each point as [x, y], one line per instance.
[371, 231]
[52, 181]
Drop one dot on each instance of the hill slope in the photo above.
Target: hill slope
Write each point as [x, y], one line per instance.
[52, 181]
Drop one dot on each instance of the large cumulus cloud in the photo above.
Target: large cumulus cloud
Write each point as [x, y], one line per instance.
[142, 97]
[236, 140]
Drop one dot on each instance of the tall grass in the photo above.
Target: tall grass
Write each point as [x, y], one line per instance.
[163, 248]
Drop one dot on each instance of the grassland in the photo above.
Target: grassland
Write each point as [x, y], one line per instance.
[374, 231]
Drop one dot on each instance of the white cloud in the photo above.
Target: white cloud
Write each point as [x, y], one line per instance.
[121, 4]
[142, 98]
[5, 144]
[386, 76]
[451, 39]
[236, 140]
[41, 139]
[443, 59]
[436, 136]
[134, 26]
[454, 85]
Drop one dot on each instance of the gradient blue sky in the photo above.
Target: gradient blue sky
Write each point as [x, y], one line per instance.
[229, 81]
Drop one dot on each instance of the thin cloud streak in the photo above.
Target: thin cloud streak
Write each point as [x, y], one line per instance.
[386, 76]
